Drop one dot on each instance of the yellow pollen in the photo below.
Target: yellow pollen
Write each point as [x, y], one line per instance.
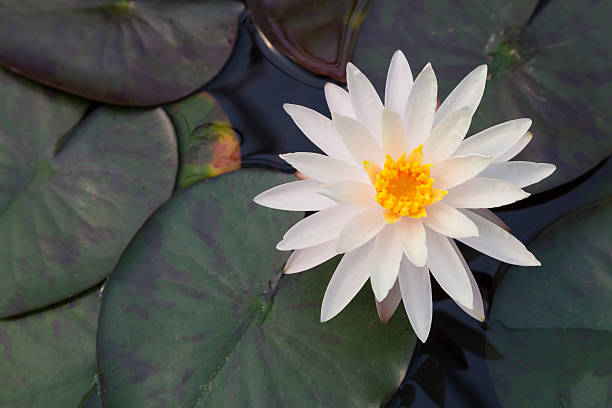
[404, 187]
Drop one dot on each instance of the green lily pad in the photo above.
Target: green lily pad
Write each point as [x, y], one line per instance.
[208, 145]
[553, 68]
[553, 326]
[318, 35]
[75, 189]
[124, 52]
[201, 282]
[92, 400]
[48, 359]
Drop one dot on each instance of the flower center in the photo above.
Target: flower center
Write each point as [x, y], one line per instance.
[404, 186]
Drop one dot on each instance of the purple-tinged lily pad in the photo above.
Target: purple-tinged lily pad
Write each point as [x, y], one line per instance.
[124, 52]
[549, 63]
[47, 359]
[195, 314]
[74, 189]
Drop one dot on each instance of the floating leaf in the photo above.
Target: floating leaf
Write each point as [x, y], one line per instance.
[92, 400]
[208, 145]
[319, 35]
[553, 326]
[553, 68]
[124, 52]
[72, 193]
[193, 314]
[47, 359]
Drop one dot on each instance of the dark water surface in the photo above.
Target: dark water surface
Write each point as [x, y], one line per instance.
[450, 370]
[252, 89]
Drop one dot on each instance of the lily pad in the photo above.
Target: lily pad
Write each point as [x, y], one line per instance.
[201, 282]
[124, 52]
[48, 359]
[92, 400]
[550, 65]
[208, 145]
[553, 326]
[74, 189]
[318, 35]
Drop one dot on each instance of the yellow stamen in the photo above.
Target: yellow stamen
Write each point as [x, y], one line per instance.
[372, 169]
[391, 217]
[404, 187]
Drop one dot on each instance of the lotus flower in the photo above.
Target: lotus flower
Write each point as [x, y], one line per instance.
[397, 184]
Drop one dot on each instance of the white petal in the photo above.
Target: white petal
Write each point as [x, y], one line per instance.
[360, 229]
[448, 269]
[304, 259]
[498, 243]
[394, 139]
[387, 307]
[421, 106]
[323, 168]
[338, 100]
[302, 195]
[399, 83]
[495, 140]
[416, 295]
[412, 234]
[481, 192]
[351, 274]
[448, 221]
[386, 257]
[352, 193]
[519, 173]
[467, 93]
[490, 216]
[320, 130]
[318, 228]
[515, 149]
[447, 136]
[459, 169]
[477, 311]
[358, 140]
[366, 102]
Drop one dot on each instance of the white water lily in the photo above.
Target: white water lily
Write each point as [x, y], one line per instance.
[396, 185]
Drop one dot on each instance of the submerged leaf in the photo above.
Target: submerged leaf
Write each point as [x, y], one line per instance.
[319, 35]
[208, 145]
